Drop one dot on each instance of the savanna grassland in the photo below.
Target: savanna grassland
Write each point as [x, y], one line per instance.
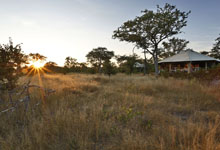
[119, 113]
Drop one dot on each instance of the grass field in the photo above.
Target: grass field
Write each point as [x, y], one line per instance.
[119, 113]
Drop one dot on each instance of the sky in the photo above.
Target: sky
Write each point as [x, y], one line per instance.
[61, 28]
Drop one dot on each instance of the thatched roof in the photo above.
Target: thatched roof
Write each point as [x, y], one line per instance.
[188, 56]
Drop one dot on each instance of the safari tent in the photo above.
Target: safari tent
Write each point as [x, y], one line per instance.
[187, 61]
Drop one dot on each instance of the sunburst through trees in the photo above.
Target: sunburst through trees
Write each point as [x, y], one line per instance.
[36, 64]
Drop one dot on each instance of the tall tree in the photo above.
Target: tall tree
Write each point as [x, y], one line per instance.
[98, 56]
[215, 51]
[11, 60]
[172, 47]
[151, 28]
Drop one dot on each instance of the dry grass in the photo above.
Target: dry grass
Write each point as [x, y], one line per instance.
[120, 113]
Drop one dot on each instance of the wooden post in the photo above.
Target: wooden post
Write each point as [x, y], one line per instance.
[170, 67]
[189, 67]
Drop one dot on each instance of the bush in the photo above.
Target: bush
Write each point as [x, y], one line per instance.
[109, 68]
[11, 60]
[202, 75]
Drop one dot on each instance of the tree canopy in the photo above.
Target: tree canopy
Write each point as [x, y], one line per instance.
[127, 63]
[172, 47]
[215, 51]
[109, 68]
[151, 28]
[50, 64]
[70, 62]
[36, 57]
[98, 56]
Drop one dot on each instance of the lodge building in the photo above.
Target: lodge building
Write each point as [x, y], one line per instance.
[187, 61]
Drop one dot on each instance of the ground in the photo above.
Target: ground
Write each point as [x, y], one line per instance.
[118, 113]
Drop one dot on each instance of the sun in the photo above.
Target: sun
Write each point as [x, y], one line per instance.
[37, 64]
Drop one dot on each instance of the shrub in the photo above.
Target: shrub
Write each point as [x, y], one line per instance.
[11, 60]
[202, 75]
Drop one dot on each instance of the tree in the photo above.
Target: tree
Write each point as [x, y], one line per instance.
[50, 64]
[205, 53]
[70, 62]
[98, 56]
[82, 67]
[36, 63]
[36, 57]
[172, 47]
[151, 28]
[11, 60]
[126, 63]
[52, 67]
[215, 51]
[109, 68]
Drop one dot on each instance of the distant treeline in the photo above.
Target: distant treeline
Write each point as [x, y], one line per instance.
[102, 61]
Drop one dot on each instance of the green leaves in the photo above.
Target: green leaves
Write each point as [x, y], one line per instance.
[70, 62]
[98, 56]
[172, 47]
[109, 68]
[11, 60]
[151, 28]
[126, 63]
[215, 52]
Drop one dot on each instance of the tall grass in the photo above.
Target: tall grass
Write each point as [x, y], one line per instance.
[120, 113]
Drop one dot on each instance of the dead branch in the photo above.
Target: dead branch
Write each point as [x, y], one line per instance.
[25, 91]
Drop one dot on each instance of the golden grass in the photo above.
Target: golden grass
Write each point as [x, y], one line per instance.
[120, 113]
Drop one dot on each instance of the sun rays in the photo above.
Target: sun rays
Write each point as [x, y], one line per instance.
[38, 64]
[37, 68]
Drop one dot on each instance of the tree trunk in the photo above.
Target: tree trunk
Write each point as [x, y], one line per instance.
[156, 65]
[145, 63]
[99, 67]
[155, 56]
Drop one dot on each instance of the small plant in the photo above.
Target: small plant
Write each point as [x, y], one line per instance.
[128, 114]
[146, 124]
